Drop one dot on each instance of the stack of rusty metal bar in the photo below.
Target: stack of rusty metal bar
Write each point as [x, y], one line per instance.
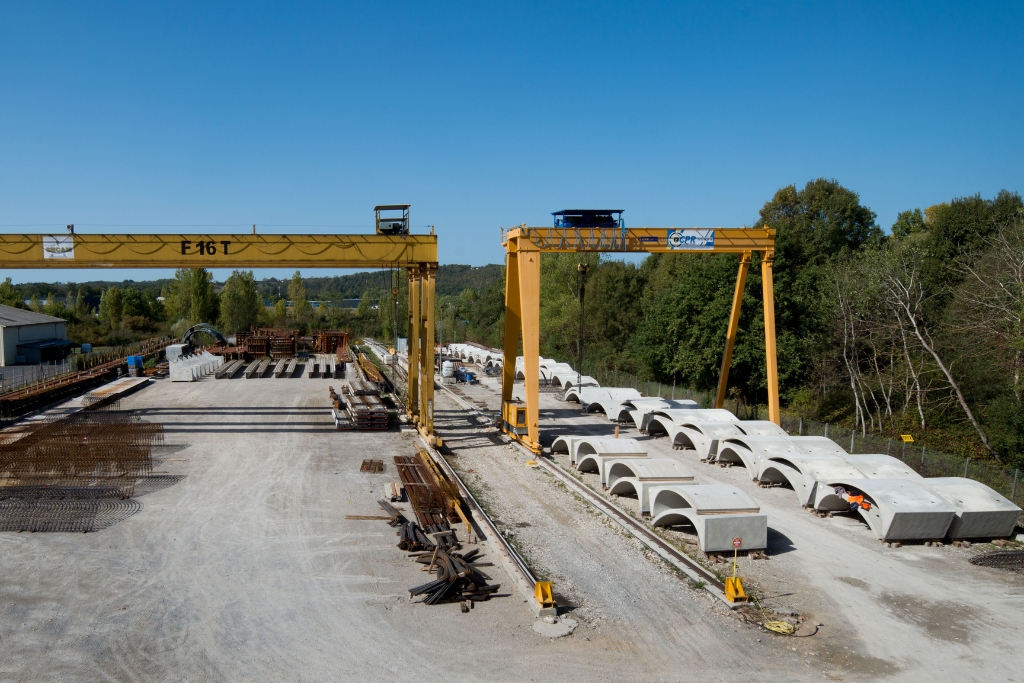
[94, 448]
[368, 413]
[458, 574]
[428, 500]
[371, 371]
[362, 388]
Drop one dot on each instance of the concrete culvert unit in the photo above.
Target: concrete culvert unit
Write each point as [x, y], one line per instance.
[753, 451]
[635, 477]
[639, 410]
[718, 513]
[901, 509]
[803, 471]
[980, 511]
[603, 398]
[878, 466]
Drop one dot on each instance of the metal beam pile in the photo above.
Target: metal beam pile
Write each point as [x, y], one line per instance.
[458, 574]
[428, 500]
[368, 413]
[102, 448]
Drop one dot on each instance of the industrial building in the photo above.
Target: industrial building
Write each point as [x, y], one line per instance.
[30, 337]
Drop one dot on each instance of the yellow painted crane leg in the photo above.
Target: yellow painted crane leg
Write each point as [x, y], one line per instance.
[513, 326]
[734, 324]
[427, 378]
[413, 378]
[529, 298]
[771, 359]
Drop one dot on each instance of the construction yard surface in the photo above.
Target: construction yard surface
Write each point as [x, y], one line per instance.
[241, 565]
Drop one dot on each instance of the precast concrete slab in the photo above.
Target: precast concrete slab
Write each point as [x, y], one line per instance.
[637, 475]
[718, 512]
[980, 511]
[880, 466]
[901, 509]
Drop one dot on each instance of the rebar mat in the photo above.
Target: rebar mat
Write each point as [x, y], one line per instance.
[68, 515]
[1002, 559]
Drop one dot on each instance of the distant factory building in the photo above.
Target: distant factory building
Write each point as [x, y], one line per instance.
[29, 337]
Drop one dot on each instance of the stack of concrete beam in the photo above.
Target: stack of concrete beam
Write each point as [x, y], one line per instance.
[193, 368]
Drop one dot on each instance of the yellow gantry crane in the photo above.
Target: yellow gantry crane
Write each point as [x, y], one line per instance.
[523, 247]
[417, 254]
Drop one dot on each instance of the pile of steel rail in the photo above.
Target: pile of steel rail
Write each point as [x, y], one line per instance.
[458, 574]
[428, 500]
[368, 413]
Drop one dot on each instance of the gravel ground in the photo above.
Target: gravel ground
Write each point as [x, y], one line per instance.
[916, 613]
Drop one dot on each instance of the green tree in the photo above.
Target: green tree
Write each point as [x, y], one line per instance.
[112, 307]
[240, 303]
[11, 295]
[909, 223]
[191, 298]
[302, 311]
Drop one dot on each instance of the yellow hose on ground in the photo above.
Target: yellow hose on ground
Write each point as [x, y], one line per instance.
[774, 625]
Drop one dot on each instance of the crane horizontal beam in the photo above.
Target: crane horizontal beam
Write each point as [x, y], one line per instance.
[649, 240]
[216, 251]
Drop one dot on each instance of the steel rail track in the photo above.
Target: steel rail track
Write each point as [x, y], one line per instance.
[675, 557]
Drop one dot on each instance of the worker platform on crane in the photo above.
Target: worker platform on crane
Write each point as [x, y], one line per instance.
[391, 224]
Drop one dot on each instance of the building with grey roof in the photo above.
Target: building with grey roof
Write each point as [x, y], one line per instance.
[30, 337]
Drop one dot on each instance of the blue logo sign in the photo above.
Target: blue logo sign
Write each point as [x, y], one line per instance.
[691, 238]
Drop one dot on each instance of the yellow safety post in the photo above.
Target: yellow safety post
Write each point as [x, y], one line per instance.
[770, 359]
[734, 584]
[734, 325]
[545, 596]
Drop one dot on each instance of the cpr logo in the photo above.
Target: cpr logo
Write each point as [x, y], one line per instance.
[691, 238]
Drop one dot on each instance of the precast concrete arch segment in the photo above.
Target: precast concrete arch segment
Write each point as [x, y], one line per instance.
[803, 472]
[878, 466]
[980, 512]
[636, 476]
[718, 513]
[901, 509]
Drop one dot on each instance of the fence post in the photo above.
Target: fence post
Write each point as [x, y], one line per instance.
[826, 430]
[659, 389]
[1013, 493]
[888, 447]
[800, 430]
[967, 466]
[922, 456]
[673, 388]
[853, 435]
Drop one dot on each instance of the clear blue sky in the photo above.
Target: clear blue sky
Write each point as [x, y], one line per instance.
[142, 117]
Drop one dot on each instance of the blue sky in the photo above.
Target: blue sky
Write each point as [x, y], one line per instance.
[209, 117]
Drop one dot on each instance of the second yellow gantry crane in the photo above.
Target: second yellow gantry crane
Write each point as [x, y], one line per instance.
[523, 247]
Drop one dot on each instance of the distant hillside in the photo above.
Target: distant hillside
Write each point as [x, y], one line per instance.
[452, 279]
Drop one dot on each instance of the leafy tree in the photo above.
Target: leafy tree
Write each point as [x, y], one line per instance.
[10, 295]
[909, 223]
[112, 307]
[302, 311]
[191, 298]
[240, 304]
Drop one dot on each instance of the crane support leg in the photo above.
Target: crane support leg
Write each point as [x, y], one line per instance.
[513, 326]
[413, 388]
[771, 359]
[426, 369]
[734, 324]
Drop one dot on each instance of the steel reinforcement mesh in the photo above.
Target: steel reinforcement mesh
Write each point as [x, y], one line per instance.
[1003, 559]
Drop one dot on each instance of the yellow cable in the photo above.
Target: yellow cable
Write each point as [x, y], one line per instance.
[781, 627]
